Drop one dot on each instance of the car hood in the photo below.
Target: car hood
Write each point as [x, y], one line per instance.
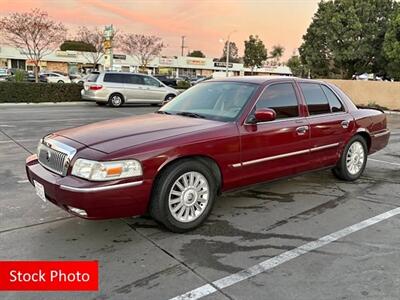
[113, 135]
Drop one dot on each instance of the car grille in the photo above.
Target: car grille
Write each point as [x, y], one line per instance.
[55, 156]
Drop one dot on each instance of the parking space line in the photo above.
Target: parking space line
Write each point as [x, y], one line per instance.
[273, 262]
[384, 162]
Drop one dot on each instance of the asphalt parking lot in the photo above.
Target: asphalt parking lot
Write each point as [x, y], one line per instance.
[140, 260]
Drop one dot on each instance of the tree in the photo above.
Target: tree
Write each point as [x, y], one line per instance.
[143, 47]
[94, 37]
[34, 33]
[255, 52]
[233, 52]
[277, 52]
[391, 46]
[297, 68]
[77, 46]
[346, 36]
[196, 53]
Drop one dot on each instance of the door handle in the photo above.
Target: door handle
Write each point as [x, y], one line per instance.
[345, 124]
[301, 130]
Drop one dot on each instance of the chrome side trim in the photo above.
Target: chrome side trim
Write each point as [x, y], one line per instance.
[255, 161]
[250, 162]
[381, 133]
[102, 188]
[324, 147]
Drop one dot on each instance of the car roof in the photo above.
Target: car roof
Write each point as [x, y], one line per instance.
[262, 79]
[124, 73]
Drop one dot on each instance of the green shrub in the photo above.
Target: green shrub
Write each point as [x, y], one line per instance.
[183, 84]
[39, 92]
[19, 75]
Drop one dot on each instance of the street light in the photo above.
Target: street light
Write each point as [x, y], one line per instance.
[228, 42]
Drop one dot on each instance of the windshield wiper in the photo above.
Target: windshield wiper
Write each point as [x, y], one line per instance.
[163, 112]
[190, 114]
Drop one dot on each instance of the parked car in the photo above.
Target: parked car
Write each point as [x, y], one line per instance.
[82, 79]
[117, 88]
[217, 136]
[3, 74]
[54, 77]
[167, 80]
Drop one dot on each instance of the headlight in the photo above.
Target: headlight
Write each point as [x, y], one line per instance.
[102, 171]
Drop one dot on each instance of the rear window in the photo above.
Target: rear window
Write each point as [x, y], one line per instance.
[316, 100]
[336, 105]
[93, 77]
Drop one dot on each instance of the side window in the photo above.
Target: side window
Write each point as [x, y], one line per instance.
[134, 79]
[282, 98]
[334, 102]
[315, 98]
[117, 78]
[150, 81]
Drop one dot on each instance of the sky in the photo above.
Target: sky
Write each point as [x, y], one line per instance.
[204, 22]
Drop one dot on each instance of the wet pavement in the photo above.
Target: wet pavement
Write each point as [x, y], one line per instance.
[140, 260]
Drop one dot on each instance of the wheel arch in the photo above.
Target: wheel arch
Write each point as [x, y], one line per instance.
[204, 159]
[366, 136]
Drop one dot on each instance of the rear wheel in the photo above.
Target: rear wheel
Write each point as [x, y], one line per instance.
[115, 100]
[183, 195]
[353, 160]
[60, 81]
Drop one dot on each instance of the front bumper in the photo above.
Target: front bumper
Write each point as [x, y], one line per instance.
[100, 200]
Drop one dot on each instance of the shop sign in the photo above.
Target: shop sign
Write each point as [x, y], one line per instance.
[195, 62]
[166, 61]
[119, 56]
[66, 53]
[222, 64]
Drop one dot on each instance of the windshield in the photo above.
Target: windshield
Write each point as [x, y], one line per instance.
[221, 101]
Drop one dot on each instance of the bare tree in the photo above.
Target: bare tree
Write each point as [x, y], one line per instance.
[143, 47]
[34, 33]
[94, 37]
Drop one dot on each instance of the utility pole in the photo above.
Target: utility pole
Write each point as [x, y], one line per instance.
[183, 45]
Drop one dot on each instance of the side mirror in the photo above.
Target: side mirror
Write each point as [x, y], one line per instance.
[264, 115]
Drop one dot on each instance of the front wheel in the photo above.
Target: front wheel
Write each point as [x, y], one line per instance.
[183, 196]
[353, 160]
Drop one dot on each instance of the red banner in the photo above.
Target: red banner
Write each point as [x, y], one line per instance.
[49, 276]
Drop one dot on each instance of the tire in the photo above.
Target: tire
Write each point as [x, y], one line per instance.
[115, 100]
[101, 103]
[195, 200]
[353, 160]
[169, 97]
[60, 81]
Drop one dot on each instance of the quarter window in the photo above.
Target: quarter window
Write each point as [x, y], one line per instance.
[315, 98]
[281, 98]
[334, 102]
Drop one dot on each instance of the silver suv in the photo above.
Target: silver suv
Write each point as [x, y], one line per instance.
[117, 88]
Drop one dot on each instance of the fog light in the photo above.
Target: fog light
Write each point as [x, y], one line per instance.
[78, 211]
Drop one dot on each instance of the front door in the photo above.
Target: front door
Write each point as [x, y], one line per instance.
[154, 90]
[330, 124]
[277, 148]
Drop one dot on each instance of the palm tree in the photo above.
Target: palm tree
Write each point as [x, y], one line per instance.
[277, 52]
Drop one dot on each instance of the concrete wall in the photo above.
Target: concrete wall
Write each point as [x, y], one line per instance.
[386, 94]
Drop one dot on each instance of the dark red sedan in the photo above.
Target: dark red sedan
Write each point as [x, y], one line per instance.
[217, 136]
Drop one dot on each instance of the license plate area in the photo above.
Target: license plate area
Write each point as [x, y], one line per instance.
[40, 190]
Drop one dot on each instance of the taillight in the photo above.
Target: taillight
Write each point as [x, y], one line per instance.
[95, 87]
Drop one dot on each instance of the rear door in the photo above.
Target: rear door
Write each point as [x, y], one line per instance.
[276, 148]
[330, 123]
[134, 88]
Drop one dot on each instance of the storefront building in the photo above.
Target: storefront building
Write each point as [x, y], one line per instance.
[73, 62]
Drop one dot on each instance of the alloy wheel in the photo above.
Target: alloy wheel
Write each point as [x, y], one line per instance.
[188, 197]
[355, 158]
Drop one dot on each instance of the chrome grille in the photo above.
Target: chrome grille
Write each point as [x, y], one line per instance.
[55, 156]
